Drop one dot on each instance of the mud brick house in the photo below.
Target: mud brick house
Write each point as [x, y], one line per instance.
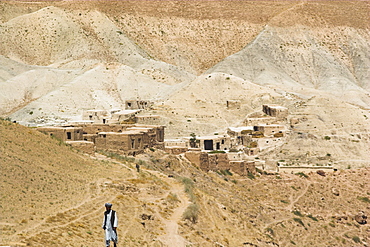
[220, 161]
[123, 116]
[240, 136]
[127, 142]
[137, 104]
[114, 116]
[243, 167]
[270, 129]
[275, 111]
[176, 146]
[84, 146]
[153, 135]
[125, 139]
[97, 116]
[64, 133]
[216, 142]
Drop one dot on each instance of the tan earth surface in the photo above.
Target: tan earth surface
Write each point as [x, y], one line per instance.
[52, 195]
[59, 58]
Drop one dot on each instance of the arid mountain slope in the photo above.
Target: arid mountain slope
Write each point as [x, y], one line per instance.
[191, 58]
[53, 195]
[334, 60]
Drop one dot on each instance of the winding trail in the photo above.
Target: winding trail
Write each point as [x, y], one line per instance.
[172, 237]
[95, 195]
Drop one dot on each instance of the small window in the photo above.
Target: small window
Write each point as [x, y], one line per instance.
[69, 135]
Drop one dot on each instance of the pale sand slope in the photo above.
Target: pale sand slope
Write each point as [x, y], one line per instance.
[52, 35]
[59, 38]
[103, 87]
[299, 58]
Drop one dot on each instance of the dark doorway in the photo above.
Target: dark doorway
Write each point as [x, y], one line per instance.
[208, 144]
[69, 135]
[218, 146]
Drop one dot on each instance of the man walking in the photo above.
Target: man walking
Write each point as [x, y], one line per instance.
[110, 224]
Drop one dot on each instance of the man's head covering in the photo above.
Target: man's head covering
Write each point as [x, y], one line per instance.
[108, 205]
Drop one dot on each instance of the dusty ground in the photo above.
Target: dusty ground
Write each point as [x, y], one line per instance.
[58, 58]
[62, 204]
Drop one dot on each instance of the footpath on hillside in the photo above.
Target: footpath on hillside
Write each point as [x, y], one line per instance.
[61, 223]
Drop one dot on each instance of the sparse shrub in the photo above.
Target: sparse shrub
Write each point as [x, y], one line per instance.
[364, 199]
[217, 152]
[312, 217]
[172, 198]
[302, 174]
[193, 140]
[191, 213]
[356, 239]
[226, 172]
[189, 186]
[250, 175]
[298, 220]
[117, 156]
[298, 213]
[270, 231]
[327, 138]
[284, 201]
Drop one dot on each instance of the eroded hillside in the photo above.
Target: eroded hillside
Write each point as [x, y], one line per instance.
[53, 195]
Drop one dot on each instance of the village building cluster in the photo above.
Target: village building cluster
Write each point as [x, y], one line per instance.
[126, 132]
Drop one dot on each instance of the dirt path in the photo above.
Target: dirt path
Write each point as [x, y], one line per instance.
[95, 194]
[289, 207]
[172, 237]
